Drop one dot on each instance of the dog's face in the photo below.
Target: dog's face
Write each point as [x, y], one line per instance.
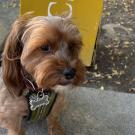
[50, 51]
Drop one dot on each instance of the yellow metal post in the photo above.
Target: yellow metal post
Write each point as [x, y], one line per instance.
[86, 14]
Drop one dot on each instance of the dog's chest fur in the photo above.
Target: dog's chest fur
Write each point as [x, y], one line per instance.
[10, 106]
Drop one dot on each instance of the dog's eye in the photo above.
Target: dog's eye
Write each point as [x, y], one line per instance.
[46, 48]
[71, 48]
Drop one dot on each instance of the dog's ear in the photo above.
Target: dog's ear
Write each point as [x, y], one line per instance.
[11, 65]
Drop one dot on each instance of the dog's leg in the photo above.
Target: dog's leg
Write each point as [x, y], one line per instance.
[14, 126]
[16, 131]
[54, 127]
[12, 132]
[11, 115]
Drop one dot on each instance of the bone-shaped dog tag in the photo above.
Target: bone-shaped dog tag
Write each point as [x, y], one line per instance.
[40, 101]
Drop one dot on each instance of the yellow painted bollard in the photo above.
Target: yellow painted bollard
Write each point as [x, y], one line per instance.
[85, 13]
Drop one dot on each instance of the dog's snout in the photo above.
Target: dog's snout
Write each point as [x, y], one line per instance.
[69, 73]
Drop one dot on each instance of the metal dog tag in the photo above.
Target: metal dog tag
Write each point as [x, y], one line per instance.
[41, 100]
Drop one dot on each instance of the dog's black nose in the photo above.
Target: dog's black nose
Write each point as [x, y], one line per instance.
[69, 73]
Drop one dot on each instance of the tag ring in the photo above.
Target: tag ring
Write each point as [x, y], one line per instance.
[40, 95]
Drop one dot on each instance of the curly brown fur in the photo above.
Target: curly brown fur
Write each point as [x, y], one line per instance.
[45, 47]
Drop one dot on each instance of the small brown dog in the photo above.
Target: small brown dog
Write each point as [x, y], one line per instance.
[46, 49]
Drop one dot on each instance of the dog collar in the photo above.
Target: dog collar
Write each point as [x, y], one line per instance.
[40, 104]
[40, 101]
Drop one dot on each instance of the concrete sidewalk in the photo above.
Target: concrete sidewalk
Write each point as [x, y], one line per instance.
[94, 112]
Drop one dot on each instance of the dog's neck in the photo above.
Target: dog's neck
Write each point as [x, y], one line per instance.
[29, 82]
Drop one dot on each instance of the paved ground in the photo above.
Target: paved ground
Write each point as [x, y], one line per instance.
[94, 112]
[115, 61]
[9, 10]
[98, 109]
